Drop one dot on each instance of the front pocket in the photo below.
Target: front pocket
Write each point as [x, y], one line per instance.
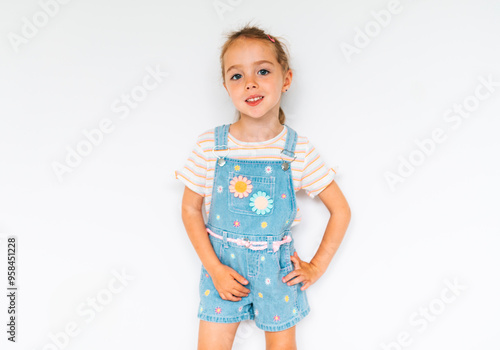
[251, 195]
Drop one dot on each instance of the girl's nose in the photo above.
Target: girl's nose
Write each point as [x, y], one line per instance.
[251, 84]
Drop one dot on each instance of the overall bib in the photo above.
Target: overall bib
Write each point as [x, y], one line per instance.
[249, 225]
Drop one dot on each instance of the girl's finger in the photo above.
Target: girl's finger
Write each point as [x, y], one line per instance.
[296, 280]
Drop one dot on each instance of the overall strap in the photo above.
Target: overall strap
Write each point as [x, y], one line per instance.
[220, 136]
[291, 141]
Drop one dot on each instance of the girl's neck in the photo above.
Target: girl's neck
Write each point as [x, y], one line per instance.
[255, 130]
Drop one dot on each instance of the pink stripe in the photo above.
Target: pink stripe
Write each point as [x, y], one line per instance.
[255, 245]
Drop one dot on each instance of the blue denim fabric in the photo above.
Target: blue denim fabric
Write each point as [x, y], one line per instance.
[263, 210]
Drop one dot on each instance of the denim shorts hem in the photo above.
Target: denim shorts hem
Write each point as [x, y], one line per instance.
[218, 319]
[282, 327]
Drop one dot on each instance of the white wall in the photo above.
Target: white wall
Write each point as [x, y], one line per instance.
[118, 207]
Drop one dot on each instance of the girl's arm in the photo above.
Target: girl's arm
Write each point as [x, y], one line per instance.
[226, 280]
[340, 215]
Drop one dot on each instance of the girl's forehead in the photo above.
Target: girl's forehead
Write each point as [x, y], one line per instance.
[247, 51]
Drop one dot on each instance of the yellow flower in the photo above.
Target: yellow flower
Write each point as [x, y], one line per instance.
[260, 295]
[240, 186]
[207, 292]
[264, 224]
[237, 168]
[287, 298]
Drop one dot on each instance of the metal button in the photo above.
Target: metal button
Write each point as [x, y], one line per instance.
[285, 166]
[221, 161]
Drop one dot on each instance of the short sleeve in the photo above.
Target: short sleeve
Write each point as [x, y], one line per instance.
[316, 175]
[194, 172]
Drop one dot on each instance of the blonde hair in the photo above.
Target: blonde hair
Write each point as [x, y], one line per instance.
[254, 32]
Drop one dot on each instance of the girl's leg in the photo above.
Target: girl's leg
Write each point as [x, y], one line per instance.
[282, 340]
[216, 336]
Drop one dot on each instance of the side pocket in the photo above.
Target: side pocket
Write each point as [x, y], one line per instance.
[218, 249]
[284, 258]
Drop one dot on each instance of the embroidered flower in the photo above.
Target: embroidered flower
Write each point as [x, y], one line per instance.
[286, 298]
[260, 295]
[262, 258]
[240, 308]
[276, 318]
[219, 189]
[240, 186]
[268, 281]
[261, 203]
[268, 169]
[256, 312]
[217, 217]
[207, 292]
[201, 309]
[294, 311]
[233, 256]
[218, 310]
[206, 275]
[236, 223]
[264, 224]
[237, 168]
[283, 196]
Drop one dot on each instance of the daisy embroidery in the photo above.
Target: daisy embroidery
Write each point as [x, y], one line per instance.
[218, 310]
[269, 170]
[276, 318]
[268, 281]
[283, 196]
[219, 189]
[237, 168]
[240, 186]
[261, 203]
[236, 223]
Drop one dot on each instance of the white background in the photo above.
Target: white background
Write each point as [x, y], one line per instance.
[118, 209]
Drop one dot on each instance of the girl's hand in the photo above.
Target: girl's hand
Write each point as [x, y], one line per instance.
[228, 283]
[305, 272]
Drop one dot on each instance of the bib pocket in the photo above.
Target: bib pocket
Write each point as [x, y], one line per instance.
[251, 194]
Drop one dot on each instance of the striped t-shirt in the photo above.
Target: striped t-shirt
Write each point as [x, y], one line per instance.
[309, 171]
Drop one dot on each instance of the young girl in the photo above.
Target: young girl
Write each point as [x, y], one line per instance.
[248, 172]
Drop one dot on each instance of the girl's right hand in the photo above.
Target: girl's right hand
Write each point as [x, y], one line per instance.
[228, 283]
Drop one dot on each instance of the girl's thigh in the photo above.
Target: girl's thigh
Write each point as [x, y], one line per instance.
[282, 340]
[216, 336]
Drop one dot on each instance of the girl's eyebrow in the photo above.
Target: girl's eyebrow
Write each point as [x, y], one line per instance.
[256, 63]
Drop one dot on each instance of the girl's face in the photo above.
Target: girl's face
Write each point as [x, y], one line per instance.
[251, 70]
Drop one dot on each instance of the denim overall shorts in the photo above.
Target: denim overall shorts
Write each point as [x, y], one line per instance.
[249, 225]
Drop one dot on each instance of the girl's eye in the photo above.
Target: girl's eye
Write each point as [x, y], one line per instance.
[264, 70]
[232, 78]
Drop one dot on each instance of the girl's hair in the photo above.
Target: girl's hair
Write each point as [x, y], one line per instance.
[254, 32]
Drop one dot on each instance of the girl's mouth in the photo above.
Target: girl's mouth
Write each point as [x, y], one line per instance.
[254, 101]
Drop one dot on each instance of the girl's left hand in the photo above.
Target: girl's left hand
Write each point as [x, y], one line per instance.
[304, 272]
